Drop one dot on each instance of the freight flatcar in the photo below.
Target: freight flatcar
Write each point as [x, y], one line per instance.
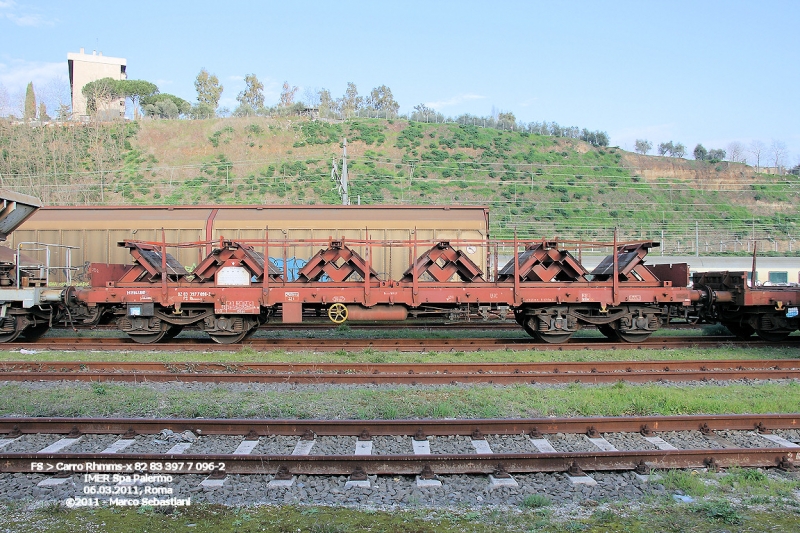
[234, 289]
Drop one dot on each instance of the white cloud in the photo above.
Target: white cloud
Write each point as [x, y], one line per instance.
[23, 17]
[16, 75]
[455, 100]
[33, 21]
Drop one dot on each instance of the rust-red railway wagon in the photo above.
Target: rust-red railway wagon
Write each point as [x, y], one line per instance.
[769, 311]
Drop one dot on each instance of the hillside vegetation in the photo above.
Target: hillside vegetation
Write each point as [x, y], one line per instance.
[537, 185]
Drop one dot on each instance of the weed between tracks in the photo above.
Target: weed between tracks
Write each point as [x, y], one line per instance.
[390, 402]
[248, 354]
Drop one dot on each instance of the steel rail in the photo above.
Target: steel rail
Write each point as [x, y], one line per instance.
[263, 427]
[395, 464]
[403, 373]
[399, 344]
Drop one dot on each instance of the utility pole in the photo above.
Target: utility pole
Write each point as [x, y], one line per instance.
[341, 180]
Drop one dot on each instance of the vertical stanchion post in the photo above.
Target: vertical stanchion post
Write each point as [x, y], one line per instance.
[367, 267]
[414, 286]
[285, 264]
[496, 265]
[615, 275]
[164, 265]
[516, 269]
[265, 290]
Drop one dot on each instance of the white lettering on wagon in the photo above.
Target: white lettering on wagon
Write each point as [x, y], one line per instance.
[193, 296]
[140, 296]
[239, 307]
[291, 296]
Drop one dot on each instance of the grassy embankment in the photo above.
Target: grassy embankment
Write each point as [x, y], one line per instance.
[542, 186]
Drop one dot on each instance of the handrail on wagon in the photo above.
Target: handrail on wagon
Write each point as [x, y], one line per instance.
[46, 269]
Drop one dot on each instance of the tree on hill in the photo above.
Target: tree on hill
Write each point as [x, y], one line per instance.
[423, 110]
[716, 155]
[672, 149]
[595, 138]
[381, 99]
[700, 153]
[327, 104]
[209, 91]
[43, 112]
[252, 97]
[351, 101]
[100, 91]
[778, 151]
[506, 120]
[30, 103]
[736, 151]
[757, 148]
[287, 95]
[164, 105]
[643, 146]
[136, 90]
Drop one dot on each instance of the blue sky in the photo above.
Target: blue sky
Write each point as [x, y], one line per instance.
[710, 71]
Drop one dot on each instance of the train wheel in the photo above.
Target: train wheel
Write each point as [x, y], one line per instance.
[608, 331]
[229, 339]
[9, 329]
[633, 336]
[337, 313]
[33, 333]
[148, 338]
[529, 325]
[743, 331]
[173, 332]
[773, 335]
[554, 337]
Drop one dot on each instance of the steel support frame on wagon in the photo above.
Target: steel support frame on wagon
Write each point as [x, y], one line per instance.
[249, 300]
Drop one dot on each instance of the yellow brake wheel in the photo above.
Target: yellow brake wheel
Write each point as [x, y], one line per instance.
[337, 313]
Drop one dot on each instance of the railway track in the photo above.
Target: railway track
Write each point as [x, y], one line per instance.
[396, 344]
[403, 373]
[426, 448]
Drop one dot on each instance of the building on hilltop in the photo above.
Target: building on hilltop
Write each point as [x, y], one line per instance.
[84, 68]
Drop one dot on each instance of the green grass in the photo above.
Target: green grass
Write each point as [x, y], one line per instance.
[396, 402]
[714, 515]
[250, 354]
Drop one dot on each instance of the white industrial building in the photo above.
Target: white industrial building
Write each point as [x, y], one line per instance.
[84, 68]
